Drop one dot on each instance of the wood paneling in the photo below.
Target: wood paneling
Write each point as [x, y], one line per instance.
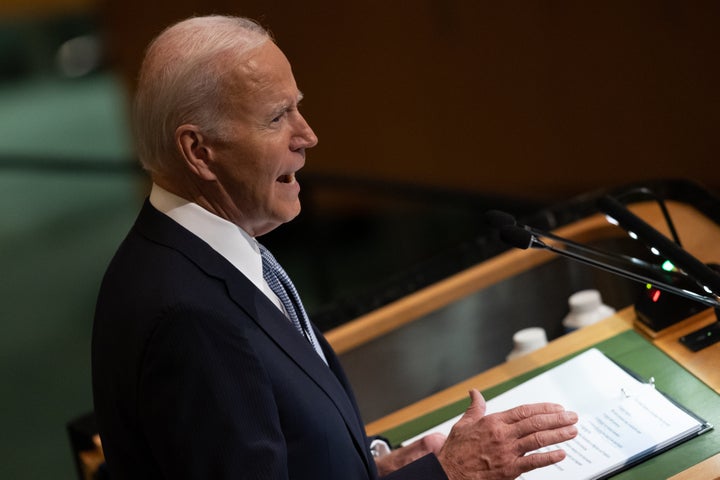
[536, 99]
[12, 9]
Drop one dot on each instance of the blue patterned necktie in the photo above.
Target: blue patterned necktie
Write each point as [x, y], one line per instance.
[279, 282]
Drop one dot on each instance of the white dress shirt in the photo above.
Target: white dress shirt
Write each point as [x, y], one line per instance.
[226, 238]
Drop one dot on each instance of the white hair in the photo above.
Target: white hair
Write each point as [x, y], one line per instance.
[181, 81]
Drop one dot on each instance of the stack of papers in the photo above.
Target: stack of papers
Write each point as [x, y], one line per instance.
[622, 420]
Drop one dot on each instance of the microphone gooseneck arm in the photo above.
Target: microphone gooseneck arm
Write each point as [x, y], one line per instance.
[499, 219]
[521, 238]
[694, 268]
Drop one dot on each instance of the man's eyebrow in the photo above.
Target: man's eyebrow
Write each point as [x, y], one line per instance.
[283, 107]
[288, 105]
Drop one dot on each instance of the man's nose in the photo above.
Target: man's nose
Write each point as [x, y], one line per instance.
[305, 136]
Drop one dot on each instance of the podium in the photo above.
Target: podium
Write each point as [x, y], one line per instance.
[696, 214]
[697, 219]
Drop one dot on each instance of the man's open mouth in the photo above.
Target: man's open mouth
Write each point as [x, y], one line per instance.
[287, 178]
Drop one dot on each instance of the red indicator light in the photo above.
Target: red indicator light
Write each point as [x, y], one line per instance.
[656, 296]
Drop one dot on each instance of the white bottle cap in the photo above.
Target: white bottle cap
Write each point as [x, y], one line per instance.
[584, 300]
[586, 307]
[527, 340]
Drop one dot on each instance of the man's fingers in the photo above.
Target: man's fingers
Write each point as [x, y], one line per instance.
[547, 421]
[539, 460]
[429, 443]
[545, 438]
[529, 410]
[498, 444]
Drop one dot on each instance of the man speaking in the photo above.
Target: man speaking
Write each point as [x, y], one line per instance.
[205, 364]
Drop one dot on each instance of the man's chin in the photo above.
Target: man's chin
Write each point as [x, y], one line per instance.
[293, 214]
[279, 219]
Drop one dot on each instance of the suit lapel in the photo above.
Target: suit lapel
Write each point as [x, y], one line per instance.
[162, 229]
[278, 327]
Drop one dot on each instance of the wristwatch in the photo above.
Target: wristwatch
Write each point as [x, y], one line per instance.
[379, 448]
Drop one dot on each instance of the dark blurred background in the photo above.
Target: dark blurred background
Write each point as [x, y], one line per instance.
[428, 114]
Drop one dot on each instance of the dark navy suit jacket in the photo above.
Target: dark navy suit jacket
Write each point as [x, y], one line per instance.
[197, 375]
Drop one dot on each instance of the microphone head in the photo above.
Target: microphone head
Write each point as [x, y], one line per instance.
[516, 236]
[498, 219]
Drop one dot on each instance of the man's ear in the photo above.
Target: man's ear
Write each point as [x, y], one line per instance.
[195, 151]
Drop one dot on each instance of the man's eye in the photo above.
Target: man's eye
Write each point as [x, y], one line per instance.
[279, 116]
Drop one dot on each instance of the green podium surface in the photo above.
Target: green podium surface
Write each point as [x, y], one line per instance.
[634, 352]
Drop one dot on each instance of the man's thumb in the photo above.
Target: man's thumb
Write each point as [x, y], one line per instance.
[477, 407]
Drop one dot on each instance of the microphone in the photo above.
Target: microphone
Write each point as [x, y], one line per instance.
[694, 268]
[499, 219]
[523, 238]
[656, 315]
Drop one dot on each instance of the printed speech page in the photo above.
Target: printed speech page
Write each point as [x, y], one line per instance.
[621, 419]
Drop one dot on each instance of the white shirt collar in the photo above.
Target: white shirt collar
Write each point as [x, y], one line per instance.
[226, 238]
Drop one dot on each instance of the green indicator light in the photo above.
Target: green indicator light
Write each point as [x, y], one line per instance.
[668, 266]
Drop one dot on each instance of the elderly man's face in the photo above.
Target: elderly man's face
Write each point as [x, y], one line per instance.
[268, 136]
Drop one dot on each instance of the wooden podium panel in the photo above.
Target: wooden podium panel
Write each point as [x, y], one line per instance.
[699, 236]
[702, 364]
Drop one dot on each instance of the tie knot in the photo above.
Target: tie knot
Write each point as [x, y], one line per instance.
[269, 263]
[282, 286]
[264, 252]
